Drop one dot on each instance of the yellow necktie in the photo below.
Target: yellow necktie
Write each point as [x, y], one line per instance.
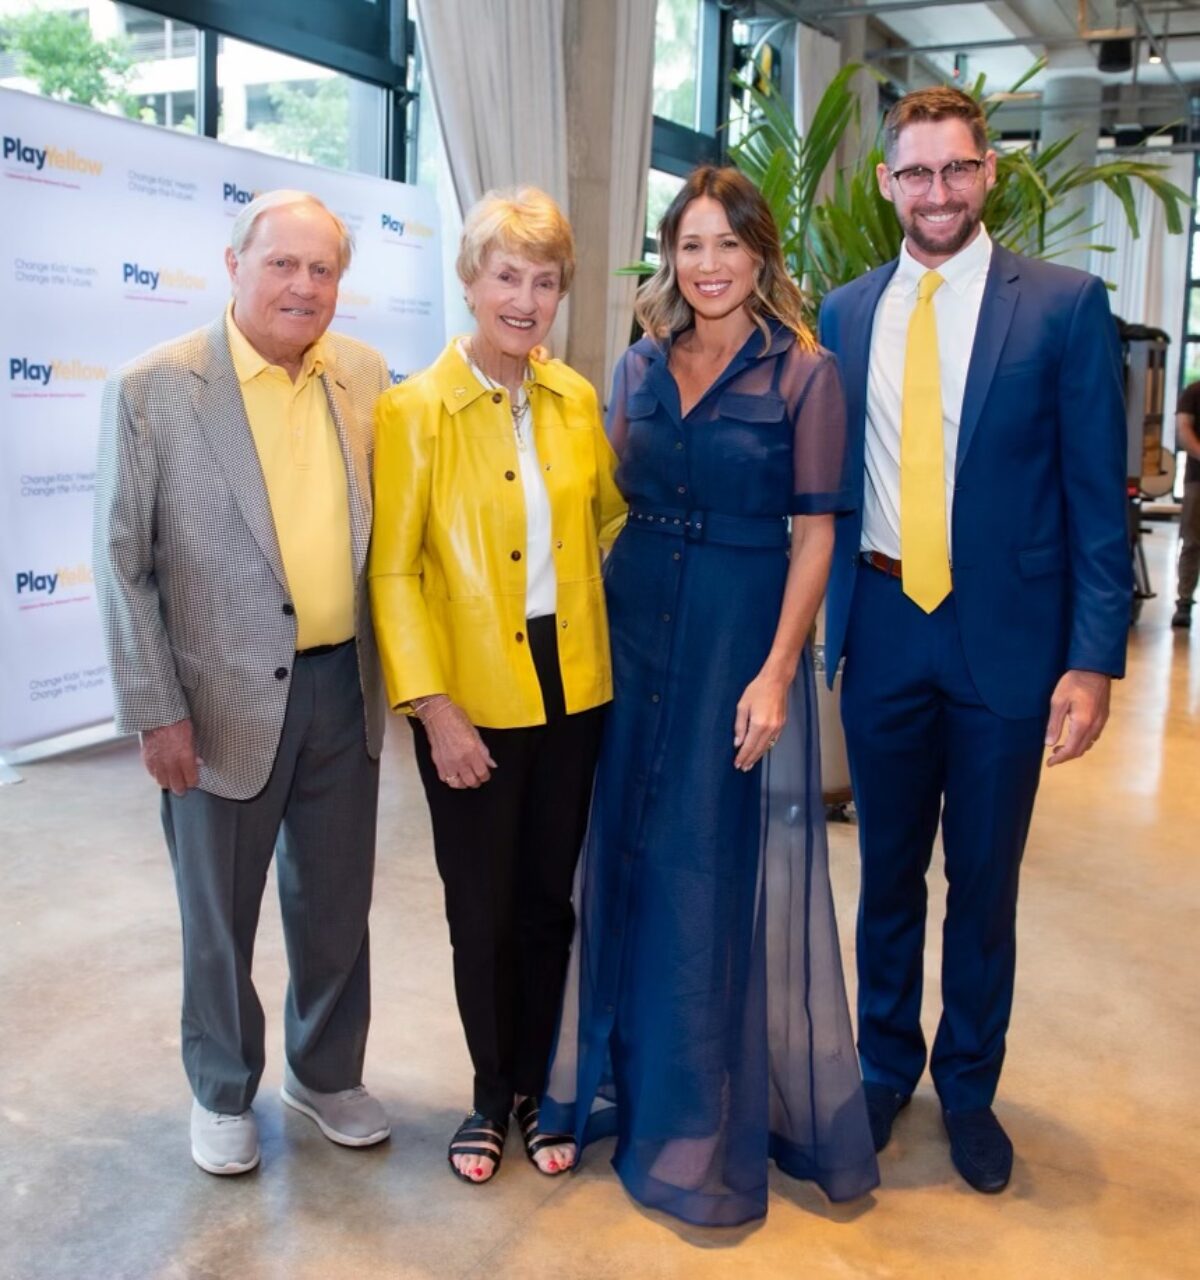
[924, 548]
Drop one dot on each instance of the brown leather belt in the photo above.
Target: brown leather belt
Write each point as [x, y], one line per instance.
[885, 564]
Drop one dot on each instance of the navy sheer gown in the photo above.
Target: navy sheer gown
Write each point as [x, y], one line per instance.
[705, 1019]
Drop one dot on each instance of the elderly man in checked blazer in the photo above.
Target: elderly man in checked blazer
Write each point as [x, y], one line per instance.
[233, 514]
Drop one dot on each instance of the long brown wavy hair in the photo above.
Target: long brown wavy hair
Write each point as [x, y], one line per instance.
[662, 310]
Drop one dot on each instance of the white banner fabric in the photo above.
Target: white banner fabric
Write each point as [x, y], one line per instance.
[112, 236]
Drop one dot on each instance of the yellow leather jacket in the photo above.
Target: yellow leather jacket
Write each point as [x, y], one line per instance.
[447, 582]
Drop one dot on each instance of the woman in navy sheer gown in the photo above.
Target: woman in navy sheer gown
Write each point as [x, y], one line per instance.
[705, 1023]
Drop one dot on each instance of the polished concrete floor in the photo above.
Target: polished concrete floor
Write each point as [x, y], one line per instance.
[1097, 1093]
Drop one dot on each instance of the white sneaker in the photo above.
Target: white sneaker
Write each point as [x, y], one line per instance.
[224, 1143]
[351, 1117]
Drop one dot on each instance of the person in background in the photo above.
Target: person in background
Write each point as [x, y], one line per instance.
[494, 494]
[1187, 411]
[233, 514]
[706, 1023]
[980, 593]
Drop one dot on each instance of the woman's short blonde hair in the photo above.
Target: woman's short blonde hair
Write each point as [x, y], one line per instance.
[520, 220]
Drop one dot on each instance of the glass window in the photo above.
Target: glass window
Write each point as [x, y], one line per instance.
[151, 36]
[677, 61]
[1193, 311]
[660, 191]
[287, 107]
[1191, 363]
[113, 57]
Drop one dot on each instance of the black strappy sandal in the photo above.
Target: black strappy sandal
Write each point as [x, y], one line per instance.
[527, 1112]
[476, 1129]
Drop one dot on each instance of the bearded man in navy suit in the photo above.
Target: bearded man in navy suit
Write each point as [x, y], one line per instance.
[980, 595]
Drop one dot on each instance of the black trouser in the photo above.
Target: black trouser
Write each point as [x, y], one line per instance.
[506, 853]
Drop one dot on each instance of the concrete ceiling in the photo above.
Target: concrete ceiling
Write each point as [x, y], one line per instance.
[1003, 38]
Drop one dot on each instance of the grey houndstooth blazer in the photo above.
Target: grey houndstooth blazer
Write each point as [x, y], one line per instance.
[188, 572]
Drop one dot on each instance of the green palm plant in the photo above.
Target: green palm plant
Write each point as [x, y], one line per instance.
[831, 240]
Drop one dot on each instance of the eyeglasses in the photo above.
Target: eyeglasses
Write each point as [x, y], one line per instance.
[958, 175]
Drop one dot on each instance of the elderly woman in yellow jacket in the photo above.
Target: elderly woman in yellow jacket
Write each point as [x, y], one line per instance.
[493, 495]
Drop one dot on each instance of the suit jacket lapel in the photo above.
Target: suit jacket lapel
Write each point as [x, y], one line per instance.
[217, 398]
[854, 352]
[1000, 295]
[358, 485]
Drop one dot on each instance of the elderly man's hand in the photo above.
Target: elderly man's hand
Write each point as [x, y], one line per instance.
[1078, 713]
[169, 755]
[459, 753]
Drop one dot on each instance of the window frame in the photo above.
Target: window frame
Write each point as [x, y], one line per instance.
[676, 149]
[1188, 336]
[341, 35]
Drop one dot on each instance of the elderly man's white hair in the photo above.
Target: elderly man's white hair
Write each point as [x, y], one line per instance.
[242, 231]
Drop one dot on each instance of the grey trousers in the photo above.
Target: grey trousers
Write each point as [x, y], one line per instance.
[1189, 542]
[318, 811]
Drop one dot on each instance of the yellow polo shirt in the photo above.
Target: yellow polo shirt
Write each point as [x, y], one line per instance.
[305, 474]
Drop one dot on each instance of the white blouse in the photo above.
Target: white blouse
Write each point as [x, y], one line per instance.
[541, 585]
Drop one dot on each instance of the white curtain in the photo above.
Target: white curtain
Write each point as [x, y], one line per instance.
[632, 118]
[496, 74]
[1150, 273]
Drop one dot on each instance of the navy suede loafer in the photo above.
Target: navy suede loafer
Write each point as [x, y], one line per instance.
[982, 1152]
[884, 1104]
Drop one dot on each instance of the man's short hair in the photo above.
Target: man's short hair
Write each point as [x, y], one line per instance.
[242, 231]
[940, 102]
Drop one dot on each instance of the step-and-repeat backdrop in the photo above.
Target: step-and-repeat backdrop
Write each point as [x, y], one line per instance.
[111, 240]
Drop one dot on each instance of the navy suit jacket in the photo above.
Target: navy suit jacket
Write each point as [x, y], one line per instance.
[1041, 563]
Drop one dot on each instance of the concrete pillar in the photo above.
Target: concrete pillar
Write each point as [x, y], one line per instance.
[590, 36]
[1071, 106]
[856, 142]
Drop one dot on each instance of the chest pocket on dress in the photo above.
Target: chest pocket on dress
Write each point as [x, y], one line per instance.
[739, 407]
[750, 439]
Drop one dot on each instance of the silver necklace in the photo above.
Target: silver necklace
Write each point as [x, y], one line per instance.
[518, 405]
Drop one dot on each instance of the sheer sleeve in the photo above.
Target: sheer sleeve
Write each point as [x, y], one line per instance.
[816, 406]
[616, 422]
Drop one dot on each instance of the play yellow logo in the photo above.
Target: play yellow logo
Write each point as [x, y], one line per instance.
[42, 158]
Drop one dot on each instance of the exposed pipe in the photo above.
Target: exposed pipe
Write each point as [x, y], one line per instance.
[1158, 47]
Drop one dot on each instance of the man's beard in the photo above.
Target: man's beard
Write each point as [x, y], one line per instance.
[915, 233]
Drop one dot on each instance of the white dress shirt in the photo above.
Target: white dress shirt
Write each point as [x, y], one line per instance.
[541, 584]
[956, 308]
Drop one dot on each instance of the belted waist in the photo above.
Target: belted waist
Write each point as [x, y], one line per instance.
[712, 526]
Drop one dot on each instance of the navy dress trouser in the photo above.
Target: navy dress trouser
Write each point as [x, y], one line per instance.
[922, 745]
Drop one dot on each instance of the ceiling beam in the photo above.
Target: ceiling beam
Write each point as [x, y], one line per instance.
[1043, 42]
[823, 11]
